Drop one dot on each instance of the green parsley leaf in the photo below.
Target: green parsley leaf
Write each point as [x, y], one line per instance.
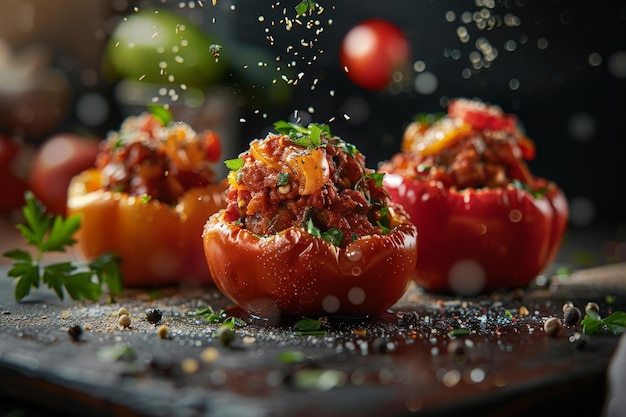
[332, 235]
[283, 179]
[309, 137]
[384, 223]
[348, 148]
[234, 164]
[458, 332]
[306, 324]
[535, 193]
[48, 233]
[161, 113]
[212, 316]
[107, 270]
[309, 327]
[306, 6]
[376, 176]
[312, 229]
[61, 234]
[428, 118]
[37, 223]
[594, 324]
[616, 322]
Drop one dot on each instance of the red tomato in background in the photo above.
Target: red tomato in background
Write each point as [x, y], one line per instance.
[55, 162]
[372, 51]
[12, 183]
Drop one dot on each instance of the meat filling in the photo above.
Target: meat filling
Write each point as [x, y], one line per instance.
[480, 159]
[147, 158]
[266, 194]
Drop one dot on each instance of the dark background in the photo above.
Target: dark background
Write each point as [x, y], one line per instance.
[565, 79]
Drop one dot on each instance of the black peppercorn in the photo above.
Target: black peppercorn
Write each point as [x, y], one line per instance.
[154, 315]
[571, 316]
[410, 319]
[75, 332]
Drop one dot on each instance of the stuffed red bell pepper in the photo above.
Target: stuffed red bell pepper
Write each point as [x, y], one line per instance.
[147, 200]
[485, 221]
[309, 230]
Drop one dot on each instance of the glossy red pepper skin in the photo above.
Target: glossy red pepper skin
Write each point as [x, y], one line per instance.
[477, 240]
[158, 244]
[294, 273]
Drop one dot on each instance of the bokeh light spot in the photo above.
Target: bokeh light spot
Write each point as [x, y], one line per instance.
[582, 126]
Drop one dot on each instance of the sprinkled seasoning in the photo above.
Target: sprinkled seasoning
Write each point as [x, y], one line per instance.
[552, 326]
[124, 320]
[472, 27]
[154, 315]
[75, 332]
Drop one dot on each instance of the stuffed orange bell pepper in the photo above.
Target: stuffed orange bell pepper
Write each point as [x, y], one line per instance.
[485, 221]
[147, 199]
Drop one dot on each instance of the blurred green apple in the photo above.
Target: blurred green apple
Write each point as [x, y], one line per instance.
[162, 47]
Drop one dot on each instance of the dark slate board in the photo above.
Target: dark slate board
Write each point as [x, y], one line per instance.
[373, 366]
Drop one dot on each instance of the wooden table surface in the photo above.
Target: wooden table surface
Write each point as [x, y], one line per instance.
[402, 363]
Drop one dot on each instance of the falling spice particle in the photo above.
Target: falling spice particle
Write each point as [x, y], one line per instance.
[215, 49]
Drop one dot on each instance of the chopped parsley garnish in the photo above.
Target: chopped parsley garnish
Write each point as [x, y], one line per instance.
[307, 326]
[305, 7]
[458, 332]
[161, 113]
[283, 179]
[332, 235]
[309, 137]
[234, 164]
[376, 176]
[535, 193]
[348, 148]
[48, 233]
[212, 316]
[145, 198]
[428, 118]
[594, 324]
[384, 223]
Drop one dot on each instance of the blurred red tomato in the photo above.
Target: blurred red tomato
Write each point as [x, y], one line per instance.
[12, 185]
[372, 51]
[55, 162]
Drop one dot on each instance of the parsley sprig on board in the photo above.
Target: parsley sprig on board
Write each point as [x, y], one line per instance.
[615, 323]
[48, 233]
